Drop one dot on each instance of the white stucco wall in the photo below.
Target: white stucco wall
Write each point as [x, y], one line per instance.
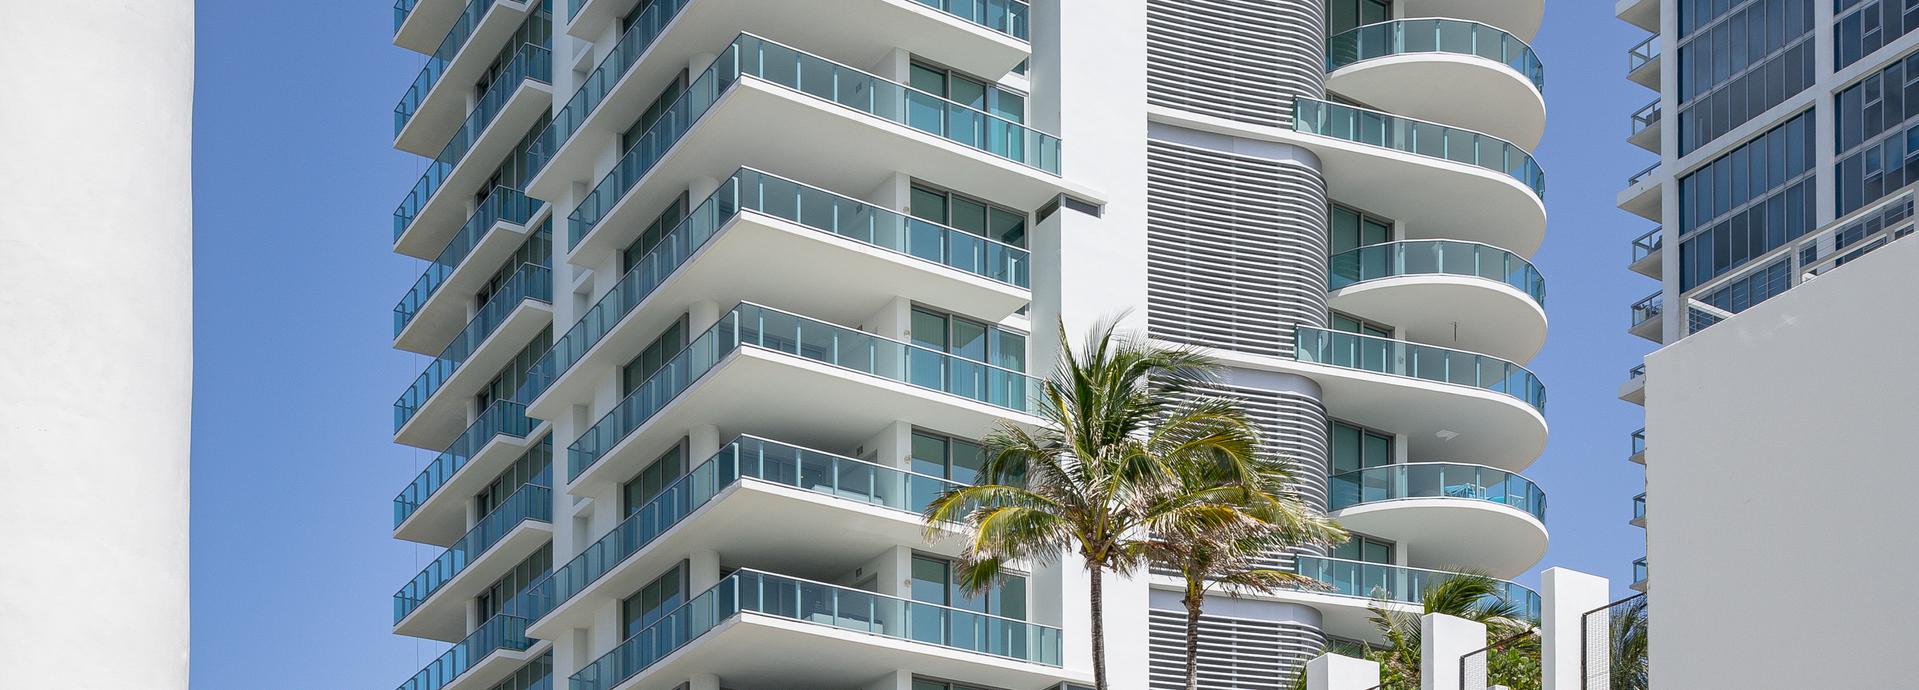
[1780, 476]
[96, 259]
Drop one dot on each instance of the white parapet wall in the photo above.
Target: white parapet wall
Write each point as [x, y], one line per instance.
[96, 254]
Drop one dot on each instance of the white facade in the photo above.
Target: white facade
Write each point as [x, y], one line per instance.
[98, 340]
[1732, 492]
[670, 240]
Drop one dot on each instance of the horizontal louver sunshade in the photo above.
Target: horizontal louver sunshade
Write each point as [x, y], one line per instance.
[1242, 60]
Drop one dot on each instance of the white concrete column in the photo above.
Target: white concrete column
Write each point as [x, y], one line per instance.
[701, 316]
[698, 64]
[1443, 641]
[96, 246]
[703, 681]
[895, 574]
[895, 320]
[1337, 672]
[893, 65]
[895, 193]
[702, 441]
[699, 189]
[1568, 595]
[702, 570]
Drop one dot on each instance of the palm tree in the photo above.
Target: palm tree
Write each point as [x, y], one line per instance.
[1629, 646]
[1100, 474]
[1469, 595]
[1255, 515]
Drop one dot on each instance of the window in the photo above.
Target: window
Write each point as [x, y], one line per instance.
[1357, 448]
[1342, 15]
[658, 475]
[653, 233]
[653, 600]
[535, 467]
[947, 457]
[508, 595]
[962, 337]
[510, 377]
[966, 90]
[1364, 549]
[930, 684]
[934, 582]
[970, 215]
[1353, 228]
[653, 358]
[653, 112]
[1353, 324]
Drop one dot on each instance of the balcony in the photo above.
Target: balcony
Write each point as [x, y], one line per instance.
[1638, 453]
[1645, 317]
[422, 25]
[767, 629]
[1645, 253]
[785, 109]
[1645, 127]
[1370, 581]
[1641, 13]
[427, 114]
[491, 653]
[1634, 389]
[422, 417]
[1640, 576]
[1643, 194]
[754, 496]
[795, 376]
[1642, 63]
[1452, 405]
[1451, 515]
[1446, 70]
[1522, 17]
[810, 250]
[1639, 511]
[1461, 184]
[1483, 298]
[433, 604]
[432, 510]
[430, 313]
[426, 220]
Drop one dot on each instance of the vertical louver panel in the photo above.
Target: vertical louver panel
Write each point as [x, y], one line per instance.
[1242, 60]
[1234, 653]
[1236, 249]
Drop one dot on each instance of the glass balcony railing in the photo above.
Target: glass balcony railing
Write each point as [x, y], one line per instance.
[752, 325]
[746, 457]
[1645, 245]
[1457, 36]
[1641, 53]
[1639, 507]
[1009, 17]
[1401, 358]
[752, 56]
[497, 633]
[1418, 137]
[1399, 583]
[533, 63]
[1639, 572]
[401, 10]
[1636, 372]
[531, 282]
[1638, 442]
[626, 52]
[1645, 117]
[1435, 257]
[1648, 308]
[501, 204]
[1641, 176]
[436, 64]
[1435, 480]
[502, 418]
[811, 207]
[752, 591]
[530, 502]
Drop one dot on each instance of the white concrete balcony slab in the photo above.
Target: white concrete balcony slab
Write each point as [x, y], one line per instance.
[1642, 63]
[1641, 13]
[440, 202]
[1463, 294]
[432, 412]
[1451, 71]
[1644, 193]
[434, 105]
[435, 309]
[433, 605]
[1450, 516]
[421, 25]
[1634, 389]
[432, 509]
[1458, 184]
[1646, 254]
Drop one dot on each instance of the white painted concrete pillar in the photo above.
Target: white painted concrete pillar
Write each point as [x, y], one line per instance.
[698, 64]
[701, 316]
[895, 320]
[96, 246]
[703, 681]
[699, 189]
[702, 570]
[1567, 595]
[702, 441]
[1338, 672]
[1443, 641]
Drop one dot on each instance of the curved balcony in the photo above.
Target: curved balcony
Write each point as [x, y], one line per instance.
[433, 604]
[771, 366]
[754, 496]
[432, 509]
[435, 308]
[1521, 17]
[422, 416]
[1399, 583]
[1449, 515]
[1483, 298]
[1461, 184]
[437, 99]
[763, 628]
[426, 219]
[1446, 70]
[852, 257]
[1451, 404]
[484, 657]
[782, 107]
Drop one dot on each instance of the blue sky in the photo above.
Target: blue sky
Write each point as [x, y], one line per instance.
[295, 180]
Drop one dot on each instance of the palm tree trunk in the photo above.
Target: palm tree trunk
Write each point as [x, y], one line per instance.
[1194, 599]
[1099, 630]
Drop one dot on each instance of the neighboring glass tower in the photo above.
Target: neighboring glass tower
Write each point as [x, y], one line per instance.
[1793, 151]
[719, 293]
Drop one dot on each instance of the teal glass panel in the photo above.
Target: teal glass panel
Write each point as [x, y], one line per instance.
[1402, 358]
[533, 63]
[531, 282]
[1398, 583]
[502, 418]
[502, 205]
[1435, 257]
[1376, 128]
[1435, 480]
[531, 502]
